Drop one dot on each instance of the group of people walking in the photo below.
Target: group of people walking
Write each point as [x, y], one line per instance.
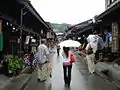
[44, 67]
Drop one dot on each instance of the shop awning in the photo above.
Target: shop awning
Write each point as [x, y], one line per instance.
[108, 11]
[89, 27]
[29, 6]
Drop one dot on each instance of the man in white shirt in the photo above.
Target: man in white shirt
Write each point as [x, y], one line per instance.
[43, 60]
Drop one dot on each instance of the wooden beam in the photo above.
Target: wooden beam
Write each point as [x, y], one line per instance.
[13, 21]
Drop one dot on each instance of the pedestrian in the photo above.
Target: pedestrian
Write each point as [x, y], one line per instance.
[43, 61]
[31, 59]
[69, 58]
[58, 49]
[90, 58]
[35, 59]
[99, 46]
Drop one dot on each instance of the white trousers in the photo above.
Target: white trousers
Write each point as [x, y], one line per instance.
[90, 61]
[44, 71]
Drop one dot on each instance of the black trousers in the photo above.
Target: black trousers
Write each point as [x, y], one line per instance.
[67, 74]
[58, 51]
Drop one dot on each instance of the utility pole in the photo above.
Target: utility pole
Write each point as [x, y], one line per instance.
[21, 22]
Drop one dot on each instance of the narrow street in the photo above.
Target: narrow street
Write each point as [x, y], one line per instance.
[81, 79]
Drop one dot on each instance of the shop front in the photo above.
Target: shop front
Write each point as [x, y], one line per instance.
[19, 32]
[110, 27]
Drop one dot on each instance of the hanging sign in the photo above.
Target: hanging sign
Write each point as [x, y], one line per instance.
[0, 26]
[27, 40]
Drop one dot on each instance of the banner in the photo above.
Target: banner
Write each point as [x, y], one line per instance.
[1, 37]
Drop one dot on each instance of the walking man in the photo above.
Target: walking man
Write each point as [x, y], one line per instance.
[43, 61]
[58, 50]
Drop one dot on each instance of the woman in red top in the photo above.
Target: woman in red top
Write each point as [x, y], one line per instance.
[67, 64]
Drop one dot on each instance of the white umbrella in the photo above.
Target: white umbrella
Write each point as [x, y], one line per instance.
[92, 38]
[70, 43]
[95, 41]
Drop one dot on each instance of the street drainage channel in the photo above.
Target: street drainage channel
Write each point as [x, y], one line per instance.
[105, 72]
[109, 79]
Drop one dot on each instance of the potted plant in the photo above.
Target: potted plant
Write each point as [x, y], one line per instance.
[17, 64]
[9, 66]
[14, 64]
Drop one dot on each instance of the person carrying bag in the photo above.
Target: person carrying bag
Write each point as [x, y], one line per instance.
[90, 59]
[67, 65]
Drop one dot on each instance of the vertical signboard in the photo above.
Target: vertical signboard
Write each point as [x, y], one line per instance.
[1, 36]
[115, 29]
[47, 35]
[0, 27]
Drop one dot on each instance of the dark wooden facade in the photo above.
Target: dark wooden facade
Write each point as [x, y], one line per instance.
[32, 24]
[110, 21]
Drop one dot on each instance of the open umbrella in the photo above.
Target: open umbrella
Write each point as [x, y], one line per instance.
[95, 41]
[69, 43]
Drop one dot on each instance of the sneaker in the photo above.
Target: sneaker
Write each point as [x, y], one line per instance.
[50, 75]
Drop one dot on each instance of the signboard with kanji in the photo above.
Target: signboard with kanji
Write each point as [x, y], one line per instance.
[115, 41]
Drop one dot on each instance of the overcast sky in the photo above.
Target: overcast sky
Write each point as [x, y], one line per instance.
[68, 11]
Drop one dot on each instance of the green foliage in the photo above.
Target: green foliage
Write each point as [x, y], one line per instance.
[14, 62]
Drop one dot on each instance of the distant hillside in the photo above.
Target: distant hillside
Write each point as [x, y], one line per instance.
[59, 27]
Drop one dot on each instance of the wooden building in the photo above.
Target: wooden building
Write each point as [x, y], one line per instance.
[19, 19]
[110, 22]
[80, 30]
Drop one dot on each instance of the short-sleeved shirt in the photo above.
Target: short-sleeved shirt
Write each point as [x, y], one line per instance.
[66, 59]
[43, 53]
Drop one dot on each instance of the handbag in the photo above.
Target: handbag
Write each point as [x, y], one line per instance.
[66, 63]
[72, 57]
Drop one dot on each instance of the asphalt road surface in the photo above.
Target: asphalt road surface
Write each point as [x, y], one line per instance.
[81, 79]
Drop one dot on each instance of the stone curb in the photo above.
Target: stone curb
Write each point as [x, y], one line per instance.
[99, 73]
[25, 83]
[5, 83]
[21, 86]
[107, 78]
[12, 78]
